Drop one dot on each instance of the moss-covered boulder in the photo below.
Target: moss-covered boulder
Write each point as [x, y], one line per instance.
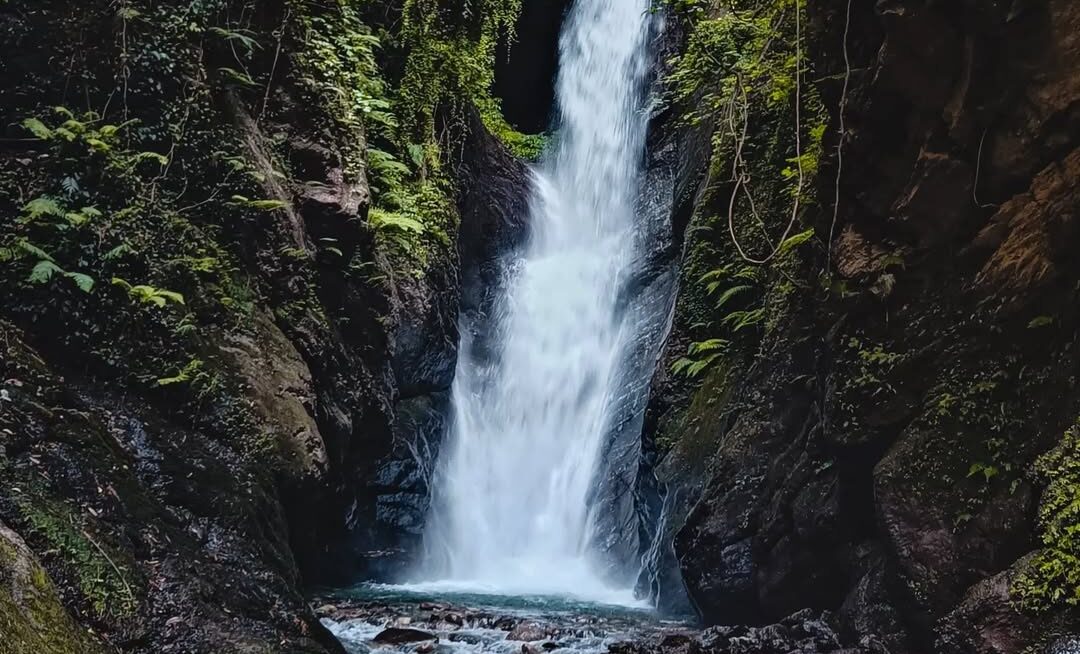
[33, 620]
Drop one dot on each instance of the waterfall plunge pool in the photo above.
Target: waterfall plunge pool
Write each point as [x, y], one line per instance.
[441, 619]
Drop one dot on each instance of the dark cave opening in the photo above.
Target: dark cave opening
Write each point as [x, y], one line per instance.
[525, 69]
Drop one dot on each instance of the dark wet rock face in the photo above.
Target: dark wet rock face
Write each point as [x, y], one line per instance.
[629, 498]
[810, 473]
[145, 556]
[493, 188]
[400, 486]
[493, 198]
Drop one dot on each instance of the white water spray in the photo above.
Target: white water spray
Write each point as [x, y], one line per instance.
[511, 502]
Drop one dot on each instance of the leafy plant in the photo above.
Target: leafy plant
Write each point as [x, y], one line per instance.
[145, 294]
[395, 221]
[1052, 577]
[45, 267]
[44, 270]
[699, 357]
[987, 471]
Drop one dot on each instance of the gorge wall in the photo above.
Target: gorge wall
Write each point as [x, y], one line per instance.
[857, 425]
[230, 268]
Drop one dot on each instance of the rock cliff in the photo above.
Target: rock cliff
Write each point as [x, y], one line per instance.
[866, 439]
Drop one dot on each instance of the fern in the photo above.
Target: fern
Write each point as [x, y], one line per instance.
[712, 345]
[242, 37]
[732, 292]
[692, 368]
[795, 241]
[236, 76]
[38, 129]
[159, 159]
[82, 216]
[738, 320]
[700, 356]
[97, 145]
[42, 206]
[29, 248]
[118, 251]
[43, 272]
[84, 282]
[45, 269]
[73, 126]
[395, 221]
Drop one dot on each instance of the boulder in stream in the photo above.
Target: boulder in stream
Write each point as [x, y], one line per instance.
[401, 636]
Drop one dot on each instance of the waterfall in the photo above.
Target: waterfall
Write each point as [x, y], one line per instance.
[536, 382]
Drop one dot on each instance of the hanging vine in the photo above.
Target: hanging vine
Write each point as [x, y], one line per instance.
[745, 68]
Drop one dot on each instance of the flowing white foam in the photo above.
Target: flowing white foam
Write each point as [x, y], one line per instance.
[511, 501]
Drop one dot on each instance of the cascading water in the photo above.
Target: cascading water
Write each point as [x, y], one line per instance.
[533, 403]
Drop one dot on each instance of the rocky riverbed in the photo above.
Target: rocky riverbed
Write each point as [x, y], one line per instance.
[389, 620]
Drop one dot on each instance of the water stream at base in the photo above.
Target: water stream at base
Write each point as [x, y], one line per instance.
[479, 623]
[535, 383]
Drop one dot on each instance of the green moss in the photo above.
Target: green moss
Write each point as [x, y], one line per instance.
[691, 435]
[1052, 577]
[32, 618]
[528, 147]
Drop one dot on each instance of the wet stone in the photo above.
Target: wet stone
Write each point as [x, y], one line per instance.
[529, 632]
[400, 636]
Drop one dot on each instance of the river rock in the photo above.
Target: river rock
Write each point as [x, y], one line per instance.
[470, 639]
[401, 636]
[529, 632]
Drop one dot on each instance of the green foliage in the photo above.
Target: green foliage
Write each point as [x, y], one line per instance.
[739, 72]
[102, 576]
[244, 38]
[528, 147]
[95, 138]
[737, 295]
[987, 471]
[1052, 577]
[447, 62]
[148, 294]
[98, 209]
[339, 71]
[204, 382]
[874, 368]
[44, 270]
[700, 356]
[386, 220]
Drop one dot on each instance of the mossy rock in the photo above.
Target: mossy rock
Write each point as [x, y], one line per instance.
[32, 619]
